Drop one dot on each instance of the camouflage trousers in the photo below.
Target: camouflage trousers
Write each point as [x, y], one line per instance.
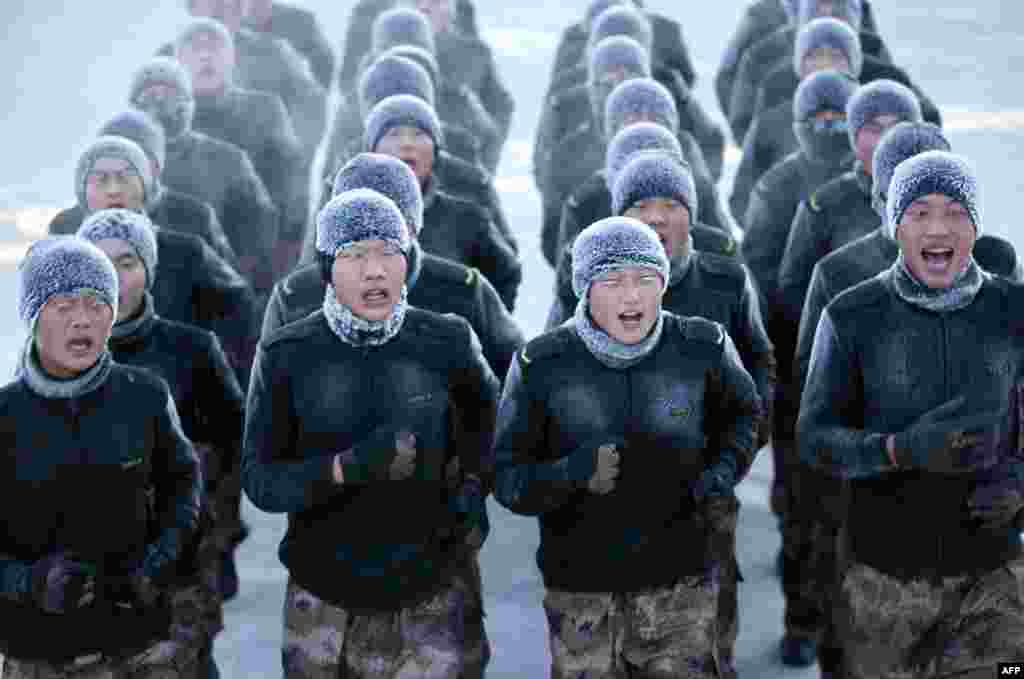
[442, 638]
[813, 506]
[728, 604]
[951, 627]
[655, 634]
[172, 658]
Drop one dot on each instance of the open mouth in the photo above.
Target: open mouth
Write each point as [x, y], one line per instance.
[376, 297]
[937, 259]
[410, 161]
[80, 345]
[631, 319]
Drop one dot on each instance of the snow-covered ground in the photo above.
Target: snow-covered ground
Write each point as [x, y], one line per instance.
[67, 67]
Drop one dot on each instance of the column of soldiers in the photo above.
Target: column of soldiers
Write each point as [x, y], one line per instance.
[862, 325]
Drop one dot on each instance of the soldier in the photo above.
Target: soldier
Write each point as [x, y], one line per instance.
[467, 61]
[840, 211]
[174, 210]
[212, 170]
[206, 394]
[100, 488]
[567, 91]
[777, 49]
[658, 190]
[825, 153]
[592, 200]
[392, 74]
[179, 211]
[623, 598]
[408, 129]
[358, 36]
[256, 122]
[412, 450]
[913, 376]
[761, 18]
[268, 64]
[667, 44]
[196, 286]
[299, 27]
[436, 284]
[823, 44]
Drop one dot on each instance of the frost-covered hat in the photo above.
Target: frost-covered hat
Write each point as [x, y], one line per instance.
[420, 56]
[654, 174]
[822, 91]
[357, 215]
[639, 96]
[618, 52]
[828, 32]
[901, 141]
[131, 227]
[596, 7]
[398, 110]
[402, 26]
[933, 172]
[634, 138]
[142, 129]
[850, 11]
[388, 176]
[114, 147]
[615, 243]
[622, 19]
[205, 25]
[63, 265]
[391, 75]
[880, 98]
[162, 71]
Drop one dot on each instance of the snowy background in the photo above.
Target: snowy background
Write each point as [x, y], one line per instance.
[66, 68]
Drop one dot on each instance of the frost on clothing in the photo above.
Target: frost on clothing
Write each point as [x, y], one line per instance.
[638, 137]
[140, 128]
[393, 75]
[122, 149]
[879, 98]
[615, 243]
[622, 20]
[401, 110]
[131, 227]
[386, 175]
[654, 174]
[901, 141]
[63, 265]
[933, 172]
[827, 32]
[356, 215]
[639, 97]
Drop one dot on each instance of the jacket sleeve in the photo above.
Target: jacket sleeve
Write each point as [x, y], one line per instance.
[736, 418]
[178, 486]
[569, 225]
[216, 237]
[763, 244]
[818, 295]
[274, 477]
[746, 33]
[357, 43]
[476, 397]
[318, 51]
[746, 175]
[221, 406]
[707, 133]
[305, 100]
[496, 98]
[224, 304]
[564, 304]
[744, 97]
[830, 430]
[804, 248]
[496, 260]
[523, 484]
[498, 331]
[274, 314]
[671, 48]
[757, 353]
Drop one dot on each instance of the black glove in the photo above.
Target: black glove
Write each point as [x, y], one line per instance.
[709, 485]
[944, 442]
[385, 454]
[595, 465]
[61, 583]
[470, 510]
[997, 506]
